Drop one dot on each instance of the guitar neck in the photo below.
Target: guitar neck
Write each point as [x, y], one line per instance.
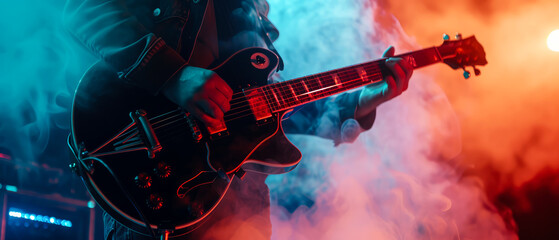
[289, 94]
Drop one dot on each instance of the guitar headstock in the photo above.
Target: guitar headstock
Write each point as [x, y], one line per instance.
[461, 53]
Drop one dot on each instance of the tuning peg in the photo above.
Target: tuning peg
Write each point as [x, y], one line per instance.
[446, 37]
[466, 74]
[458, 36]
[477, 72]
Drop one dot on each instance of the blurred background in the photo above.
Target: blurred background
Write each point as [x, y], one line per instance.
[448, 159]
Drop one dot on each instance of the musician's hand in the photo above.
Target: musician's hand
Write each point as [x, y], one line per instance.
[393, 85]
[201, 92]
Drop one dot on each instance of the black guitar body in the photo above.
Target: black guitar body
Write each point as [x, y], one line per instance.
[145, 160]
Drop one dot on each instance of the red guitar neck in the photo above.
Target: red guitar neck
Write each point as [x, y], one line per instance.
[289, 94]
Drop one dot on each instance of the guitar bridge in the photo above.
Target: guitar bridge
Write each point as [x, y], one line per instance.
[138, 135]
[153, 145]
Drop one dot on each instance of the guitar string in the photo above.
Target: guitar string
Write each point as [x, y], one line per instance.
[287, 101]
[166, 132]
[281, 87]
[180, 125]
[163, 134]
[347, 71]
[295, 104]
[287, 96]
[237, 114]
[317, 79]
[285, 89]
[322, 93]
[286, 93]
[164, 114]
[290, 99]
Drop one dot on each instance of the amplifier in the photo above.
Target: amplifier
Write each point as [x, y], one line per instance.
[31, 215]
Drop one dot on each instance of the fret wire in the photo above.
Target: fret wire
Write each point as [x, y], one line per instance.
[289, 100]
[278, 102]
[313, 86]
[268, 99]
[289, 97]
[277, 95]
[266, 89]
[342, 72]
[265, 96]
[284, 90]
[374, 68]
[313, 81]
[349, 84]
[354, 83]
[326, 93]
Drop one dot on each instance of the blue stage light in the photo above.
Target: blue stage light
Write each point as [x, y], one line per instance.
[91, 204]
[11, 188]
[16, 213]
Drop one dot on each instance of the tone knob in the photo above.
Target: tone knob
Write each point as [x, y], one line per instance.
[155, 201]
[196, 209]
[162, 170]
[143, 180]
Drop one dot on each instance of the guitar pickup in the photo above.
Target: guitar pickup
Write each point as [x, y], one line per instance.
[258, 104]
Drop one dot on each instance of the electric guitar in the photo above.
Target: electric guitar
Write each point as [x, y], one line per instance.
[153, 167]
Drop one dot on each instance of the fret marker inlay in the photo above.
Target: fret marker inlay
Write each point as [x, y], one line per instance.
[337, 80]
[362, 74]
[275, 96]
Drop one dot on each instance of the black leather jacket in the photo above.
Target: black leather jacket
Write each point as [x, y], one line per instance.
[148, 41]
[145, 41]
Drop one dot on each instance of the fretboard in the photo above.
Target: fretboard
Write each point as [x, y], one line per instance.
[289, 94]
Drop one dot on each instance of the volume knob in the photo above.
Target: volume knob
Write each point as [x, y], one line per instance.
[143, 180]
[155, 201]
[162, 170]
